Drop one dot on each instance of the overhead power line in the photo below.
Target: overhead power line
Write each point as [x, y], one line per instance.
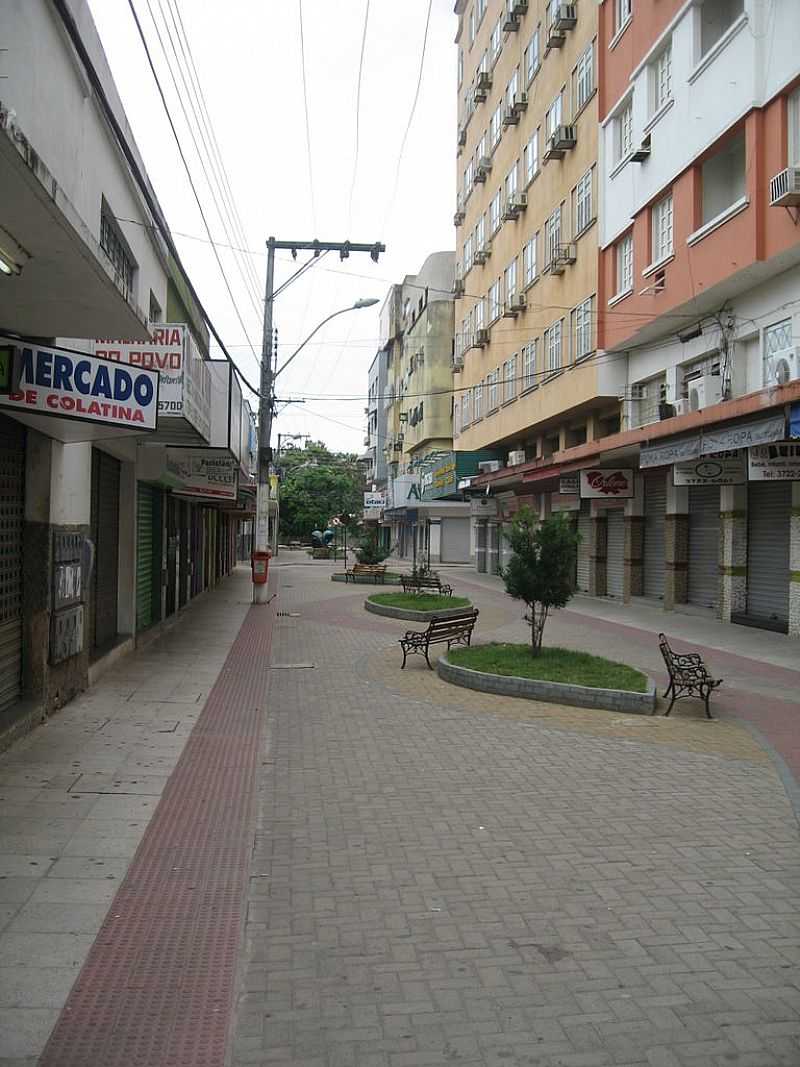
[358, 115]
[308, 125]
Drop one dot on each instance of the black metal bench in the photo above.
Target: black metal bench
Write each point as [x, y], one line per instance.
[429, 584]
[688, 675]
[450, 630]
[375, 571]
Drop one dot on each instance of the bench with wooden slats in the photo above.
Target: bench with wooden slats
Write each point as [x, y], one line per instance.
[449, 630]
[375, 571]
[429, 584]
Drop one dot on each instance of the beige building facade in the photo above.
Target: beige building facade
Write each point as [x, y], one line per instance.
[527, 375]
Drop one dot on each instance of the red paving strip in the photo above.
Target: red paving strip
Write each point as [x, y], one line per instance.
[157, 987]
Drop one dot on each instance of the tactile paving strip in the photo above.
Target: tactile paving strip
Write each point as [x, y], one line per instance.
[157, 987]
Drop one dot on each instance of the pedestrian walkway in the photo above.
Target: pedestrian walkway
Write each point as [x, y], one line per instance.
[327, 861]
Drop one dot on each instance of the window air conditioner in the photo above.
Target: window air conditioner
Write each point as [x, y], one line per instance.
[458, 287]
[515, 458]
[489, 466]
[482, 253]
[565, 16]
[510, 116]
[682, 406]
[784, 189]
[483, 80]
[517, 301]
[782, 368]
[520, 101]
[458, 363]
[481, 338]
[705, 391]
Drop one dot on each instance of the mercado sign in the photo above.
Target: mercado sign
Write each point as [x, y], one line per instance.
[726, 468]
[203, 473]
[778, 462]
[607, 483]
[53, 381]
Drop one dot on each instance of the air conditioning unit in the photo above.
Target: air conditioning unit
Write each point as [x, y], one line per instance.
[480, 174]
[458, 363]
[483, 80]
[642, 153]
[565, 253]
[681, 406]
[458, 287]
[482, 253]
[519, 8]
[784, 189]
[481, 337]
[459, 216]
[510, 22]
[479, 95]
[485, 163]
[489, 466]
[520, 102]
[555, 38]
[782, 368]
[704, 391]
[515, 458]
[517, 301]
[510, 116]
[565, 16]
[462, 136]
[509, 310]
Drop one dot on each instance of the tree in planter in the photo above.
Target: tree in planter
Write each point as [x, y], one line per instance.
[370, 550]
[542, 567]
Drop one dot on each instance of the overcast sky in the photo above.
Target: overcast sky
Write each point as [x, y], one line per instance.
[248, 56]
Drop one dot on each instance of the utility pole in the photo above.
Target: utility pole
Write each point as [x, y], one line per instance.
[266, 400]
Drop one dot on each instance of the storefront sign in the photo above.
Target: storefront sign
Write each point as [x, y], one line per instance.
[372, 514]
[569, 483]
[202, 473]
[53, 381]
[483, 507]
[607, 483]
[565, 502]
[778, 462]
[794, 420]
[728, 468]
[374, 500]
[671, 451]
[713, 441]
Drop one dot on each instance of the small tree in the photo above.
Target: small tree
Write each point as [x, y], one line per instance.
[542, 567]
[370, 549]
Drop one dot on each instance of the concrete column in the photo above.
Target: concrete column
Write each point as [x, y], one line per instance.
[492, 546]
[733, 557]
[633, 581]
[598, 552]
[794, 563]
[676, 538]
[435, 535]
[481, 537]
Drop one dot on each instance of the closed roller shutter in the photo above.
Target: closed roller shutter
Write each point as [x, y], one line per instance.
[704, 535]
[105, 534]
[584, 547]
[455, 541]
[12, 515]
[769, 513]
[184, 519]
[148, 553]
[655, 512]
[615, 551]
[492, 548]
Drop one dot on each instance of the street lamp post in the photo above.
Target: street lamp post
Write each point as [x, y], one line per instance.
[266, 412]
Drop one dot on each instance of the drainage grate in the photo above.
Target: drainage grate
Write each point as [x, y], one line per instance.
[290, 666]
[288, 614]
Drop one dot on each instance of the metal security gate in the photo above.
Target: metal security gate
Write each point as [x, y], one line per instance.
[584, 546]
[148, 556]
[172, 554]
[12, 516]
[184, 518]
[104, 523]
[454, 546]
[704, 537]
[769, 508]
[655, 517]
[615, 551]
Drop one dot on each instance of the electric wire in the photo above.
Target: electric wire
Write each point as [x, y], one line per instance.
[308, 125]
[194, 191]
[358, 116]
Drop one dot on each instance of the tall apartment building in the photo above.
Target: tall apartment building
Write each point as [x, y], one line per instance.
[526, 377]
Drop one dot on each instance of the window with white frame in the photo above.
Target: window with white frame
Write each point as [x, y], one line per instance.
[481, 10]
[624, 257]
[661, 79]
[510, 278]
[554, 114]
[469, 177]
[480, 233]
[496, 40]
[581, 323]
[472, 26]
[494, 213]
[495, 302]
[468, 254]
[552, 342]
[491, 381]
[716, 18]
[479, 313]
[496, 127]
[531, 157]
[793, 119]
[529, 364]
[532, 57]
[460, 65]
[480, 147]
[582, 207]
[511, 183]
[583, 78]
[512, 88]
[477, 402]
[529, 261]
[623, 131]
[456, 419]
[623, 9]
[465, 419]
[662, 229]
[777, 342]
[552, 234]
[723, 177]
[511, 379]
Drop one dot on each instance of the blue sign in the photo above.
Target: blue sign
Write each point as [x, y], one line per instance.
[794, 420]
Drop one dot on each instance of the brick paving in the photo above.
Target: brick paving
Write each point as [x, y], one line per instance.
[442, 877]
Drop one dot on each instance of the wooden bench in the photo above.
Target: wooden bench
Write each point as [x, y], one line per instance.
[449, 630]
[688, 675]
[430, 584]
[375, 571]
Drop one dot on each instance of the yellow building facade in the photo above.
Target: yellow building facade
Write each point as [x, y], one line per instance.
[527, 375]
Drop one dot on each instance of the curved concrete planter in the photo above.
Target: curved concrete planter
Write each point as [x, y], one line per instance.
[554, 692]
[390, 579]
[413, 616]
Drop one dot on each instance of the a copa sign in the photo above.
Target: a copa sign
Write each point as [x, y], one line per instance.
[52, 381]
